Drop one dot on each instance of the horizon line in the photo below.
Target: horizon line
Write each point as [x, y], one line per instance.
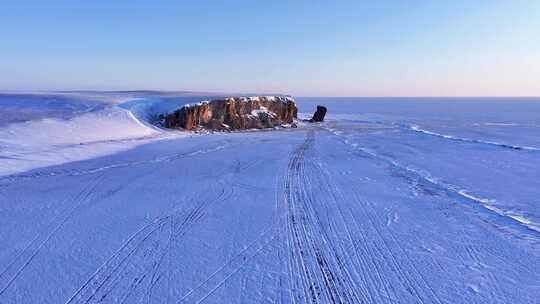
[202, 93]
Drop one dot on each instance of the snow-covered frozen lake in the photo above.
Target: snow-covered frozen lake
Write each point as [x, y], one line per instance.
[391, 200]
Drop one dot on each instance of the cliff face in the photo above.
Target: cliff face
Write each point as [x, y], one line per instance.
[235, 114]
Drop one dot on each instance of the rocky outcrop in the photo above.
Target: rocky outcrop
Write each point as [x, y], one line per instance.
[318, 116]
[235, 114]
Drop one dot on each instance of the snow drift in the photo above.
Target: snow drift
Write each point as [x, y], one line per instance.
[109, 126]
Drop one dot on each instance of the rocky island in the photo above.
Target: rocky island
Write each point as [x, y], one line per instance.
[235, 113]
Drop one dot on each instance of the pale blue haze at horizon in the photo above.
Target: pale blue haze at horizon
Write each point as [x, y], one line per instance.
[343, 48]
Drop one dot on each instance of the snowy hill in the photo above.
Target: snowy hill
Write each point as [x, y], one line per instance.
[40, 130]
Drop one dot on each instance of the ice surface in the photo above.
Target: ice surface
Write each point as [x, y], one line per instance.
[359, 209]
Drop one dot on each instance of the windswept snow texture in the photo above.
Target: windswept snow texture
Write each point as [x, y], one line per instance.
[388, 201]
[39, 130]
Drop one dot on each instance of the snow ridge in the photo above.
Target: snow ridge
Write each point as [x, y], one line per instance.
[486, 204]
[418, 129]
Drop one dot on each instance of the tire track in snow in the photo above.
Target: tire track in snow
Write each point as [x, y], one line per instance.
[230, 267]
[367, 269]
[360, 271]
[133, 271]
[25, 257]
[379, 254]
[148, 245]
[468, 246]
[234, 271]
[530, 230]
[211, 283]
[6, 180]
[415, 282]
[332, 233]
[314, 256]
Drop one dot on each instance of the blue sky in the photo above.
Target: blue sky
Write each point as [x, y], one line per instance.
[331, 48]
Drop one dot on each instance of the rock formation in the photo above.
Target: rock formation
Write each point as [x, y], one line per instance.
[318, 116]
[234, 114]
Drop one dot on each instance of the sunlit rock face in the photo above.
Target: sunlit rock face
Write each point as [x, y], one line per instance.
[235, 113]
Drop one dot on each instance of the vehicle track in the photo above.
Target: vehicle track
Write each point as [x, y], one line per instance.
[244, 257]
[313, 254]
[425, 182]
[134, 270]
[141, 257]
[405, 267]
[6, 180]
[14, 269]
[363, 260]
